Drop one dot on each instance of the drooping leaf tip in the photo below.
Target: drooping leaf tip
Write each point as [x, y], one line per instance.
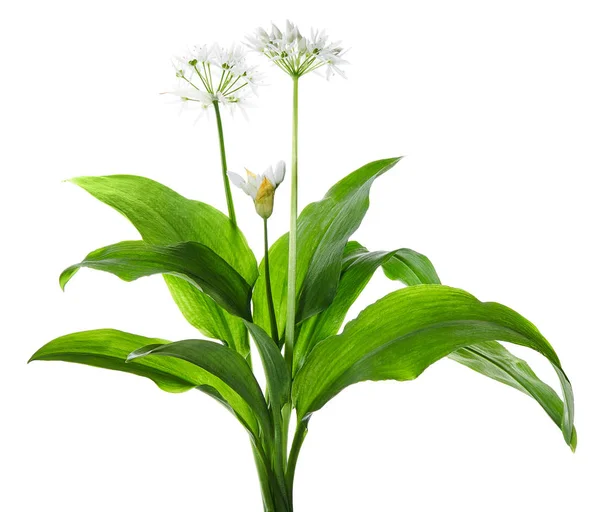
[573, 443]
[66, 276]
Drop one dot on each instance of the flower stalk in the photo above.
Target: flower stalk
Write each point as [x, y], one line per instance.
[292, 254]
[230, 207]
[273, 318]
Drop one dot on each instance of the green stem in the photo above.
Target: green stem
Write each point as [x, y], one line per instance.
[290, 329]
[263, 477]
[278, 459]
[274, 333]
[230, 207]
[272, 487]
[301, 431]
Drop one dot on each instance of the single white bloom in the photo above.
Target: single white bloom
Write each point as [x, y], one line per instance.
[296, 54]
[261, 187]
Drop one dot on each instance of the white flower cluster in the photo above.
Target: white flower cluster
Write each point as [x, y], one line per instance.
[298, 55]
[214, 74]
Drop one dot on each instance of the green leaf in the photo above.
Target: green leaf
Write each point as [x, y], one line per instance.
[489, 358]
[278, 377]
[323, 230]
[496, 362]
[402, 334]
[190, 261]
[109, 348]
[164, 217]
[223, 363]
[358, 266]
[410, 268]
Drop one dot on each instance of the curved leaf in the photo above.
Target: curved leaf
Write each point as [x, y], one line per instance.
[496, 362]
[489, 358]
[190, 261]
[323, 230]
[224, 363]
[400, 335]
[109, 348]
[410, 268]
[164, 217]
[358, 266]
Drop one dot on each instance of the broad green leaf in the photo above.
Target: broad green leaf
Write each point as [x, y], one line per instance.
[222, 362]
[402, 334]
[493, 360]
[109, 348]
[323, 230]
[190, 261]
[278, 377]
[489, 358]
[358, 267]
[164, 217]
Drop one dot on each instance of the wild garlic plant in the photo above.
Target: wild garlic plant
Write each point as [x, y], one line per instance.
[297, 299]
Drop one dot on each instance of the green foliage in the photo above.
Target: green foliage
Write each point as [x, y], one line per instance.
[109, 348]
[324, 228]
[278, 377]
[190, 261]
[213, 278]
[402, 334]
[358, 266]
[493, 360]
[163, 217]
[220, 362]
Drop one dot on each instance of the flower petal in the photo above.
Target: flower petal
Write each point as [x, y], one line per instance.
[279, 172]
[236, 179]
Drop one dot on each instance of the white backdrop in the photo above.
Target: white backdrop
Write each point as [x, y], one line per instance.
[496, 107]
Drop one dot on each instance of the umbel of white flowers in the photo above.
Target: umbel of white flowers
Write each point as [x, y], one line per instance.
[214, 74]
[261, 187]
[296, 54]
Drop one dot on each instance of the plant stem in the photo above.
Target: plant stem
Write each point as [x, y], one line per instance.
[274, 333]
[290, 329]
[301, 431]
[230, 207]
[278, 459]
[263, 478]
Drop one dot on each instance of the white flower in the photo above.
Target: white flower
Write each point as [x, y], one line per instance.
[298, 55]
[261, 187]
[215, 75]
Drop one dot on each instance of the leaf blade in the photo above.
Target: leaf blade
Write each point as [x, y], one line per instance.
[222, 362]
[358, 267]
[278, 377]
[163, 217]
[399, 336]
[191, 261]
[493, 360]
[109, 349]
[323, 230]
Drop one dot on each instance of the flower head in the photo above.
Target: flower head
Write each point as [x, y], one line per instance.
[215, 74]
[261, 187]
[296, 54]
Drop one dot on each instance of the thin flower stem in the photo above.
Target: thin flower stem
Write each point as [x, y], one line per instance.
[274, 333]
[291, 285]
[230, 207]
[228, 92]
[202, 79]
[209, 76]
